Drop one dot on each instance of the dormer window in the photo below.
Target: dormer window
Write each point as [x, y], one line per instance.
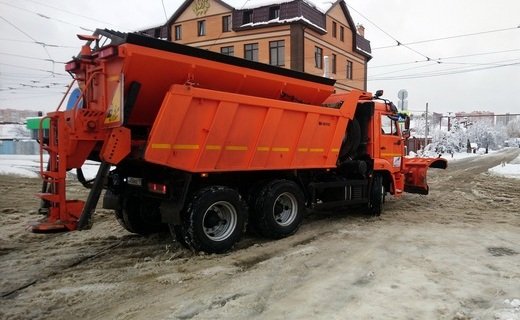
[248, 17]
[274, 12]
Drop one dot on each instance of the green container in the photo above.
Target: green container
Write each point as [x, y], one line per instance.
[34, 123]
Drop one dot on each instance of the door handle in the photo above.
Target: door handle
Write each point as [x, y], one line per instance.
[383, 148]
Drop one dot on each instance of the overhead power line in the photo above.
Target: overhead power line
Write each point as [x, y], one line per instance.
[46, 17]
[30, 37]
[73, 13]
[444, 58]
[36, 69]
[49, 45]
[446, 38]
[28, 57]
[444, 72]
[389, 35]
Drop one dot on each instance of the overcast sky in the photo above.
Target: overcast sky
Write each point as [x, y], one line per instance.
[464, 73]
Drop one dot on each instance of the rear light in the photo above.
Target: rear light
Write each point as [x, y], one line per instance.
[72, 66]
[107, 52]
[157, 188]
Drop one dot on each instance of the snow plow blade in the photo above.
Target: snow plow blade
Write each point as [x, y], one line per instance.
[416, 169]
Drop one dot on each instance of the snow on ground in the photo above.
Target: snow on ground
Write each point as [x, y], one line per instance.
[507, 169]
[28, 166]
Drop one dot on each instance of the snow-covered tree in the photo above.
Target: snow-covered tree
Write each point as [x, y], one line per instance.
[513, 129]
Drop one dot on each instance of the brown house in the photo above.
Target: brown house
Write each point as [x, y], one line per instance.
[293, 34]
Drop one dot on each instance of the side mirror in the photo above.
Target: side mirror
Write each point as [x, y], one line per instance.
[407, 123]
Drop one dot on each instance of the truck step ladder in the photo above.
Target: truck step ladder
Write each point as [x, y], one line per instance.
[61, 214]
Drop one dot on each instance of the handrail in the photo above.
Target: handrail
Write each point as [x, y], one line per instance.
[40, 137]
[66, 93]
[83, 92]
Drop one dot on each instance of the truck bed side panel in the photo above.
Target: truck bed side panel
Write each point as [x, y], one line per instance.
[200, 130]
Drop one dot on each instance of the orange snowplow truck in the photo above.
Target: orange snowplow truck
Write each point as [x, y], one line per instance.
[204, 143]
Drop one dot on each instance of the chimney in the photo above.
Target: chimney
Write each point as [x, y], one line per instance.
[360, 30]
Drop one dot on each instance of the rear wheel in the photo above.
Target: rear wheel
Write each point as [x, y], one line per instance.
[214, 220]
[278, 210]
[141, 216]
[377, 196]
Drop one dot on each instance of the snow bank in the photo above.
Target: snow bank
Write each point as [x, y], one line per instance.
[509, 170]
[29, 166]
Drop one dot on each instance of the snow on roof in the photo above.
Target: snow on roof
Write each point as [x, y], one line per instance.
[277, 20]
[321, 5]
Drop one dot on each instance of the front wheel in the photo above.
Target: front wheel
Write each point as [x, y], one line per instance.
[214, 220]
[279, 208]
[377, 196]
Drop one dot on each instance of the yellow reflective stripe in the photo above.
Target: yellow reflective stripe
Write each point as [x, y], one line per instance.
[235, 148]
[391, 155]
[335, 150]
[280, 149]
[316, 149]
[185, 146]
[161, 146]
[262, 149]
[213, 147]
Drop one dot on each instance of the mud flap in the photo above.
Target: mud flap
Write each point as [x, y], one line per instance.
[416, 169]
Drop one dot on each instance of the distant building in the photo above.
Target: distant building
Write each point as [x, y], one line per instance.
[16, 116]
[290, 34]
[504, 119]
[466, 118]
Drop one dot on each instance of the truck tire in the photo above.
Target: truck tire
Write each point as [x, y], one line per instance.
[140, 216]
[351, 140]
[178, 232]
[377, 196]
[278, 210]
[214, 220]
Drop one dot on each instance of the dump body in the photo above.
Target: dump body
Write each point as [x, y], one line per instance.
[200, 130]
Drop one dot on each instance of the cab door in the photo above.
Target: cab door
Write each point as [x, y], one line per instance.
[390, 141]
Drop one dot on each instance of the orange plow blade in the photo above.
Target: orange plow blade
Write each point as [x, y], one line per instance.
[416, 170]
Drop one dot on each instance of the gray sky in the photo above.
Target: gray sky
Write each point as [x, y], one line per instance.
[477, 72]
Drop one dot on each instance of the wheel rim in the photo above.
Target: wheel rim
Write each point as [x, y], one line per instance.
[285, 209]
[219, 221]
[382, 194]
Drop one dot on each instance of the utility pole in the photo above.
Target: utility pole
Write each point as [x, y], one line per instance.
[426, 127]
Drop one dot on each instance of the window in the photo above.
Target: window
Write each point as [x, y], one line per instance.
[277, 53]
[349, 70]
[228, 51]
[178, 32]
[334, 63]
[247, 17]
[251, 51]
[318, 57]
[274, 12]
[388, 126]
[201, 28]
[341, 33]
[334, 32]
[226, 23]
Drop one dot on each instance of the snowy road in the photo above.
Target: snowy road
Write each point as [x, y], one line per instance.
[453, 254]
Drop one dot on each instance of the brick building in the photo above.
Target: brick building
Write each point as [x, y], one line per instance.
[293, 34]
